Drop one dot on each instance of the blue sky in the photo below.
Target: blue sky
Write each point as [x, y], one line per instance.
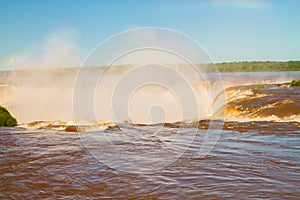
[230, 30]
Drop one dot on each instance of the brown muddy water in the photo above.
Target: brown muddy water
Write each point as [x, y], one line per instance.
[250, 160]
[256, 154]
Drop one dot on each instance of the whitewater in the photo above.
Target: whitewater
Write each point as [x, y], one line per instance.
[48, 95]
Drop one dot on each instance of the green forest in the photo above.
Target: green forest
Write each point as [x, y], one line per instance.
[258, 66]
[253, 66]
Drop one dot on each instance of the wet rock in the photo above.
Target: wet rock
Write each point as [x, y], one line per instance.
[6, 119]
[71, 129]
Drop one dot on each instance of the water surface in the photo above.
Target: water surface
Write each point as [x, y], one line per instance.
[260, 161]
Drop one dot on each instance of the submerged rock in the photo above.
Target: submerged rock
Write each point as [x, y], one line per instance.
[6, 119]
[71, 129]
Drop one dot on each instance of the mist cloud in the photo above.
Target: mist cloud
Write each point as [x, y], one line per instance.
[58, 50]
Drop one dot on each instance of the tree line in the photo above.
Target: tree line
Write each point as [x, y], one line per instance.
[258, 66]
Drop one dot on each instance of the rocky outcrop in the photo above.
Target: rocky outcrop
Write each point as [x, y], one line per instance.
[6, 119]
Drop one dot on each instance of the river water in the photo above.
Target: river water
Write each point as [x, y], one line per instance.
[259, 162]
[255, 154]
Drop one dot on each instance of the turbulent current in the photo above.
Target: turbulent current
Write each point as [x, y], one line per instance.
[257, 154]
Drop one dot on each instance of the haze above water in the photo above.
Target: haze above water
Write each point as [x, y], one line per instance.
[49, 95]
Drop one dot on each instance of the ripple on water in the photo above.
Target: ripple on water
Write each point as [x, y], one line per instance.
[244, 165]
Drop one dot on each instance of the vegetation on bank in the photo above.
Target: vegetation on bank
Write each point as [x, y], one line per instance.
[295, 83]
[6, 119]
[258, 66]
[259, 86]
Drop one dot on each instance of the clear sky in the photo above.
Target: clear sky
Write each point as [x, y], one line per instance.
[230, 30]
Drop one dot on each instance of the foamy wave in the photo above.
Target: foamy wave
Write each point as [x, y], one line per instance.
[272, 118]
[70, 126]
[263, 103]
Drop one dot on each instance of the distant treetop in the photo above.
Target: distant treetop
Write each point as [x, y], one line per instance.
[258, 66]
